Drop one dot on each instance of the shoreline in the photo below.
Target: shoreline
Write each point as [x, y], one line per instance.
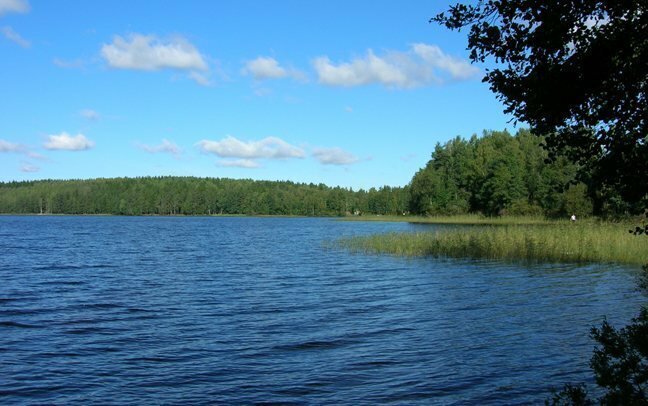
[159, 215]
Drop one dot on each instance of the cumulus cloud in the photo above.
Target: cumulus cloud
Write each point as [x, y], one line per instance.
[150, 53]
[458, 69]
[421, 65]
[265, 67]
[239, 163]
[29, 168]
[90, 114]
[12, 35]
[146, 52]
[370, 69]
[66, 142]
[334, 156]
[6, 146]
[268, 148]
[165, 147]
[14, 6]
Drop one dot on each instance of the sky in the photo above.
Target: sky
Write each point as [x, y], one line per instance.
[351, 94]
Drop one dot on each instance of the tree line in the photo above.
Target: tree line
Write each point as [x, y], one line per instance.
[195, 196]
[495, 174]
[500, 173]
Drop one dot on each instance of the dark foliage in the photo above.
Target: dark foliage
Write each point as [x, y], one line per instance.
[620, 363]
[575, 395]
[576, 70]
[639, 230]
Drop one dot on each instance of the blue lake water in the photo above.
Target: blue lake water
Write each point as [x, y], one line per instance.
[141, 310]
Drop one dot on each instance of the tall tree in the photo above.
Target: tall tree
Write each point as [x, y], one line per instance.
[575, 70]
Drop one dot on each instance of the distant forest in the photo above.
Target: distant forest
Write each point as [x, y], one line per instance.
[497, 173]
[195, 196]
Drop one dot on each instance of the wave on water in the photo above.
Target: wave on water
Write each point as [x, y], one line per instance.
[260, 311]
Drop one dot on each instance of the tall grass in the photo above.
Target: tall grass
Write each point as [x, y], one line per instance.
[560, 242]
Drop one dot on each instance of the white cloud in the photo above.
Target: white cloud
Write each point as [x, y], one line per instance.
[65, 141]
[334, 156]
[12, 35]
[166, 146]
[14, 6]
[370, 69]
[269, 148]
[146, 52]
[90, 114]
[458, 69]
[348, 109]
[6, 146]
[149, 53]
[265, 67]
[239, 163]
[29, 168]
[421, 65]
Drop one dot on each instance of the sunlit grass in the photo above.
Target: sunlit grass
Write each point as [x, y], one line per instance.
[561, 242]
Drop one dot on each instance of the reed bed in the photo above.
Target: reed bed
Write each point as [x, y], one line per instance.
[562, 242]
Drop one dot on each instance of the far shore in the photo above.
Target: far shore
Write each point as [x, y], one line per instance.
[157, 215]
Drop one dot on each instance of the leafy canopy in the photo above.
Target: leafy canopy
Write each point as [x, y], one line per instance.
[576, 70]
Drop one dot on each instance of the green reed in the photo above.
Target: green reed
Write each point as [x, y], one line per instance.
[559, 242]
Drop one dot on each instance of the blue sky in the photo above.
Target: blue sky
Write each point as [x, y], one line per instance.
[354, 94]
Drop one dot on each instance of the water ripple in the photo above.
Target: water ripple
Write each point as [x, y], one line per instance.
[257, 311]
[14, 324]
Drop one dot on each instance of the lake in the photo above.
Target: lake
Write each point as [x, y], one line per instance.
[236, 310]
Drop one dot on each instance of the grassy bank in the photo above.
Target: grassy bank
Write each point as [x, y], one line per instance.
[561, 242]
